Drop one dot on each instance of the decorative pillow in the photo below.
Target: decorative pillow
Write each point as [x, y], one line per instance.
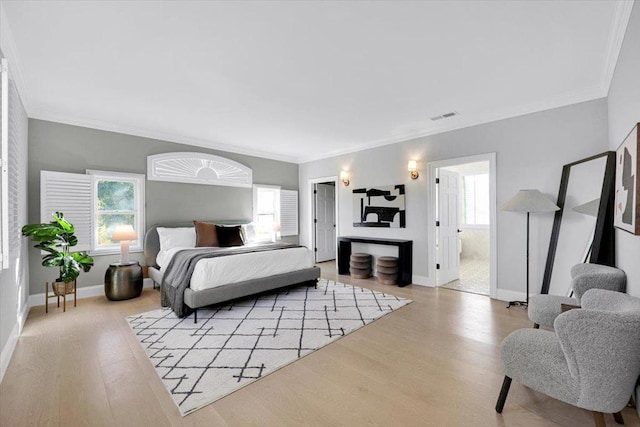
[229, 236]
[248, 233]
[206, 234]
[172, 237]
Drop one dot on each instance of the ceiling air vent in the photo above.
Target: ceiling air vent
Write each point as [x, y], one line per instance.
[445, 116]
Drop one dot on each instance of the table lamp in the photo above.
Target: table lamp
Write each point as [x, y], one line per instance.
[124, 234]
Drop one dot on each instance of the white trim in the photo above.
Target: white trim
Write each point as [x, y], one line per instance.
[493, 217]
[509, 295]
[461, 122]
[312, 234]
[139, 209]
[185, 167]
[421, 281]
[36, 300]
[617, 32]
[71, 119]
[12, 341]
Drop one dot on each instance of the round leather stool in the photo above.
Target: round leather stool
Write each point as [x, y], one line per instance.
[360, 266]
[387, 270]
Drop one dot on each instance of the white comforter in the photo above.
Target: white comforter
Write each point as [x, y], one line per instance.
[219, 271]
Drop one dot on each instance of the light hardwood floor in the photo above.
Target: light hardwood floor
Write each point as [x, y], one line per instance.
[434, 362]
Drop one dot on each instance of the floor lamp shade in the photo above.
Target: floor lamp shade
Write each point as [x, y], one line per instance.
[124, 234]
[528, 201]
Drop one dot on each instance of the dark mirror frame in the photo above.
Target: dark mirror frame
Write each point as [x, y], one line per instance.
[603, 246]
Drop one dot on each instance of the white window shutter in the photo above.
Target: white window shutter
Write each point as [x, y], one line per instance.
[289, 212]
[71, 194]
[4, 165]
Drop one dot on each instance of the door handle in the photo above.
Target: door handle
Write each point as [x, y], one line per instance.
[459, 231]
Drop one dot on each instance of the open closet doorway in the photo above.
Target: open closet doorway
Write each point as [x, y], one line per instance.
[324, 220]
[464, 234]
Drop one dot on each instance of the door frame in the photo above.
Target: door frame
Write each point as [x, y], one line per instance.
[493, 217]
[312, 200]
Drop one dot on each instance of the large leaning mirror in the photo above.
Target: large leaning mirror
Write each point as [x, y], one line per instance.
[583, 227]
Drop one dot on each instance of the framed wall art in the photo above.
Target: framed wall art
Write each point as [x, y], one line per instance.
[379, 207]
[627, 198]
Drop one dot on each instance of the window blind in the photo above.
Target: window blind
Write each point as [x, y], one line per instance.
[288, 213]
[70, 194]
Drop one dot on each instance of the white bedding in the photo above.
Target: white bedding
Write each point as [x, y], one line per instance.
[219, 271]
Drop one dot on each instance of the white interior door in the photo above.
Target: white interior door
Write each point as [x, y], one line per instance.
[325, 222]
[447, 253]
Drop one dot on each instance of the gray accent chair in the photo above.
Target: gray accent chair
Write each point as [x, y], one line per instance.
[543, 308]
[591, 361]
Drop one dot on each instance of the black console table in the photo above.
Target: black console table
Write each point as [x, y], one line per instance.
[405, 254]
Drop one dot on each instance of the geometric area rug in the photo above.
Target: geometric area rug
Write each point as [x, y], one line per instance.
[236, 344]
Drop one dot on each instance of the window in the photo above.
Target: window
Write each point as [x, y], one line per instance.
[475, 190]
[266, 207]
[118, 198]
[95, 203]
[274, 211]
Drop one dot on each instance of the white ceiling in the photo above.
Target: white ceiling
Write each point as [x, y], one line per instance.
[304, 80]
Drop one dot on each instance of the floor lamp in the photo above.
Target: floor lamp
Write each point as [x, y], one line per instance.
[528, 201]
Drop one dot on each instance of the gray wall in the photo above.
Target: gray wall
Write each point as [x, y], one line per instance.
[624, 113]
[531, 151]
[65, 148]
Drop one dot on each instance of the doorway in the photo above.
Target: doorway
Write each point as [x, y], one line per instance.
[463, 242]
[324, 220]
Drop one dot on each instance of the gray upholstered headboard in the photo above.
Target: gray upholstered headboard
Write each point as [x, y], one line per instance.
[152, 241]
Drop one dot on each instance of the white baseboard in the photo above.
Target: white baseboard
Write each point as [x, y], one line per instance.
[509, 295]
[7, 351]
[421, 281]
[83, 292]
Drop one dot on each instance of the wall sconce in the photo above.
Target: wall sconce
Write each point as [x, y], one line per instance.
[413, 168]
[344, 177]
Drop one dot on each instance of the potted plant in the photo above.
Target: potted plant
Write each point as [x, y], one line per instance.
[56, 238]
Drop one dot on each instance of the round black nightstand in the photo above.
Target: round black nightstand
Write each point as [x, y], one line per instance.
[123, 281]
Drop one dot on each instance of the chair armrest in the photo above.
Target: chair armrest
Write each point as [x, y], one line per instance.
[602, 299]
[601, 352]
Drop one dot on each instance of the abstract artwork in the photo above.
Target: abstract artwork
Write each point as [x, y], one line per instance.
[379, 207]
[627, 206]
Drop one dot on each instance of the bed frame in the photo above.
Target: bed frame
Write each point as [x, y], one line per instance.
[198, 299]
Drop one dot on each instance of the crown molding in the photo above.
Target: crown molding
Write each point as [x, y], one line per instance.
[70, 119]
[10, 52]
[462, 121]
[621, 17]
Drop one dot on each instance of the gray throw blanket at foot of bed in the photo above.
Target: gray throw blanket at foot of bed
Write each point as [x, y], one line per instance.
[178, 273]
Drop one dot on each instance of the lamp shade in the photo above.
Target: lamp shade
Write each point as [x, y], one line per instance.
[124, 232]
[530, 201]
[590, 208]
[412, 166]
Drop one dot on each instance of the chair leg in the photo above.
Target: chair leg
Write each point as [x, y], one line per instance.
[598, 417]
[618, 417]
[536, 326]
[195, 316]
[503, 394]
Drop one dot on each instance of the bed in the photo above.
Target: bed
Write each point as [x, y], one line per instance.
[253, 269]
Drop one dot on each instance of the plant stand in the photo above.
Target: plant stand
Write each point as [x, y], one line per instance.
[68, 288]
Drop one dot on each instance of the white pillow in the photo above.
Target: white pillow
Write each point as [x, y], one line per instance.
[176, 237]
[248, 233]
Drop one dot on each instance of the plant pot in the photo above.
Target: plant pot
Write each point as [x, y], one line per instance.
[62, 288]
